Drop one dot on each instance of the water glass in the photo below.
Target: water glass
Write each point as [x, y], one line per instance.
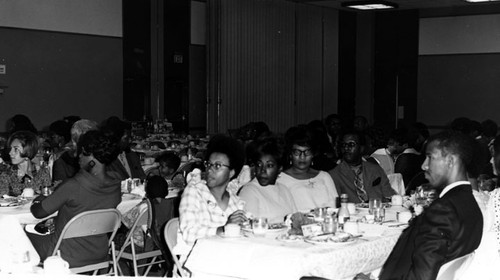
[259, 226]
[319, 214]
[379, 214]
[373, 204]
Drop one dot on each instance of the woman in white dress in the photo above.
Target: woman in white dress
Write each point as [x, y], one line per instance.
[263, 196]
[310, 188]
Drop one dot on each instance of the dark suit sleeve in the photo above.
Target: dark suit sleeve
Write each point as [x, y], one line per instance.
[439, 224]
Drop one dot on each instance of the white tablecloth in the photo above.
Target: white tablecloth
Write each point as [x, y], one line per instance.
[259, 258]
[23, 215]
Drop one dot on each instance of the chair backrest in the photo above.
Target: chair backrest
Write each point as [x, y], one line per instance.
[171, 230]
[89, 223]
[170, 233]
[454, 269]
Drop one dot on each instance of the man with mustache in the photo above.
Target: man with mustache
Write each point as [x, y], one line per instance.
[359, 179]
[452, 225]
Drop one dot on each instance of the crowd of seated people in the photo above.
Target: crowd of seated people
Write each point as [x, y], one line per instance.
[251, 172]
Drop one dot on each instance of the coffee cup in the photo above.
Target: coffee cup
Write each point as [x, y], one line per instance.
[55, 265]
[404, 217]
[28, 192]
[397, 200]
[351, 227]
[232, 230]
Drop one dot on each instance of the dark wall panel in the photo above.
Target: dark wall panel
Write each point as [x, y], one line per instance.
[452, 86]
[51, 75]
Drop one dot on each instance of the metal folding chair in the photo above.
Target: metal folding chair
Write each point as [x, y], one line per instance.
[171, 238]
[90, 223]
[128, 249]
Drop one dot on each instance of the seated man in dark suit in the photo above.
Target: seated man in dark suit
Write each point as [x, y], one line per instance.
[128, 163]
[452, 225]
[359, 179]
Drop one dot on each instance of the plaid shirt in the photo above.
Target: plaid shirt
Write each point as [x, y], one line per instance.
[200, 216]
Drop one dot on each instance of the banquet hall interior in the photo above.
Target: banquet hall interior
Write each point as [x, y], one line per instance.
[177, 74]
[216, 65]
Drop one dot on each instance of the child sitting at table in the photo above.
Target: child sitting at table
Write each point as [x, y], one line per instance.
[168, 163]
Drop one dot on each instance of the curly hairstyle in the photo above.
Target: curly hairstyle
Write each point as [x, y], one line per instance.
[300, 135]
[231, 148]
[96, 143]
[461, 145]
[268, 146]
[28, 140]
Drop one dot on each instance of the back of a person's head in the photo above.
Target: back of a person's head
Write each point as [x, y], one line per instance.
[231, 147]
[20, 122]
[156, 187]
[399, 135]
[462, 145]
[462, 124]
[116, 126]
[170, 159]
[71, 120]
[490, 128]
[61, 128]
[95, 142]
[81, 127]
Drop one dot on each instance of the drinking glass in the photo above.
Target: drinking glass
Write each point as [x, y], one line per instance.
[319, 214]
[259, 226]
[374, 203]
[379, 214]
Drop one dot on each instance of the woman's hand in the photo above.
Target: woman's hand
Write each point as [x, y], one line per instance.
[238, 217]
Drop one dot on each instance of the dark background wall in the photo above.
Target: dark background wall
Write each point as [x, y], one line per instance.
[54, 74]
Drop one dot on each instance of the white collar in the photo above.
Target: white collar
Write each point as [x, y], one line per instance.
[410, 151]
[451, 186]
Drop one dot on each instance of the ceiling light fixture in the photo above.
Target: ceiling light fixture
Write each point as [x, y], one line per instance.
[478, 1]
[370, 5]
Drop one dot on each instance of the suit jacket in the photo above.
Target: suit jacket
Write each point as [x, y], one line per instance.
[134, 163]
[449, 228]
[374, 179]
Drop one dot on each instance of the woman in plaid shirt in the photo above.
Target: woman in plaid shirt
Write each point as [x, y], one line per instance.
[207, 205]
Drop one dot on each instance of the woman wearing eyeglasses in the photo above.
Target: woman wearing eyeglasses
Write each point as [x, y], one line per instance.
[263, 196]
[310, 188]
[208, 205]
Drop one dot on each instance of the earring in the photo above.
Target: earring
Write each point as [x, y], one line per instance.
[92, 163]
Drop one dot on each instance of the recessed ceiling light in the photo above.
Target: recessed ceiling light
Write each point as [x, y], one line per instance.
[477, 1]
[369, 5]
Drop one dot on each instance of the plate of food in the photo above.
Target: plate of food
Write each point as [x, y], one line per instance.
[9, 202]
[277, 227]
[332, 239]
[285, 237]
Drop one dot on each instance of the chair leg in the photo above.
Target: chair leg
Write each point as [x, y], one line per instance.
[134, 261]
[113, 255]
[149, 267]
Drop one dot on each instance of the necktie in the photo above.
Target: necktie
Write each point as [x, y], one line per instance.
[123, 159]
[358, 183]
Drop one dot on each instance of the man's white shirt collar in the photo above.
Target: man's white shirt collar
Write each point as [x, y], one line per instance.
[451, 186]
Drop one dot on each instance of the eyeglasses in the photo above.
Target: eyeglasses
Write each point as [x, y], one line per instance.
[216, 166]
[298, 153]
[349, 145]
